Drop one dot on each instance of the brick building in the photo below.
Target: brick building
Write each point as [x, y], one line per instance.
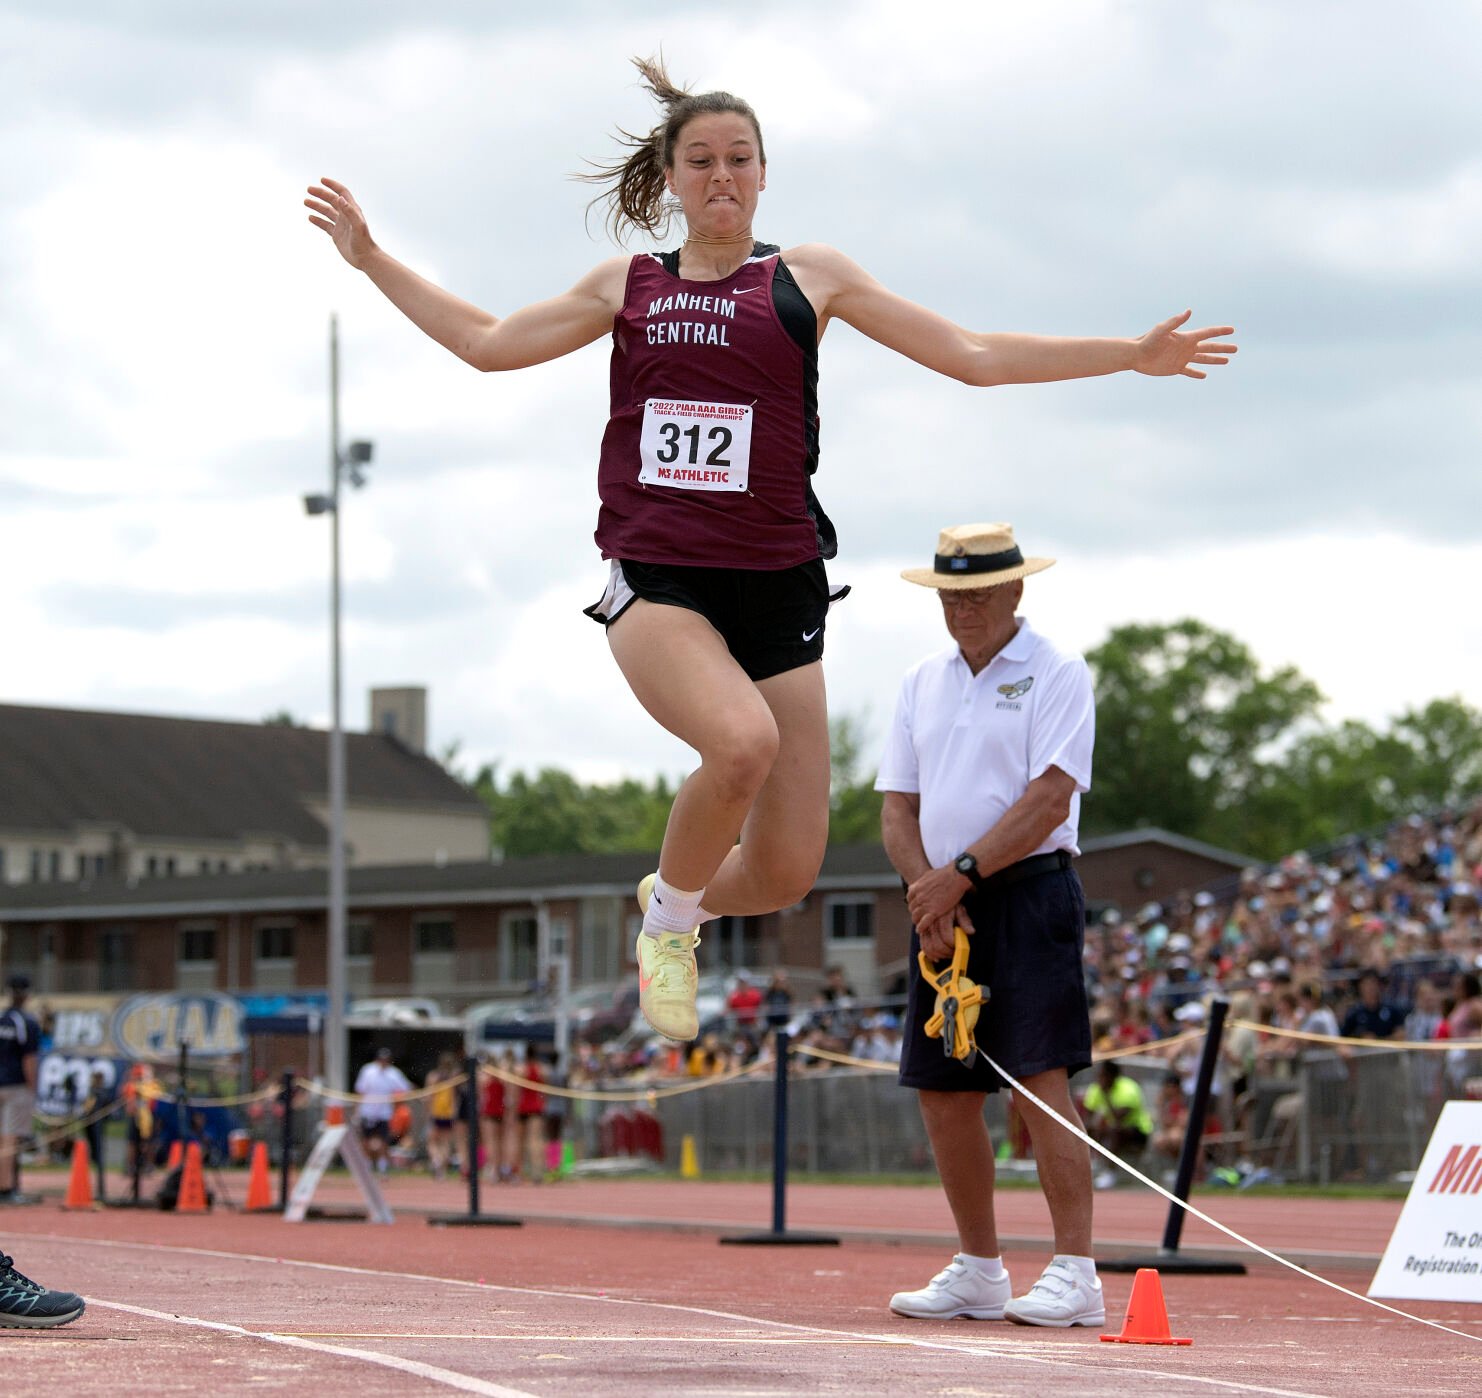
[467, 931]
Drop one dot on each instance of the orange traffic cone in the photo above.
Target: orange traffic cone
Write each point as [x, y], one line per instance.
[172, 1160]
[1147, 1316]
[79, 1183]
[192, 1198]
[259, 1192]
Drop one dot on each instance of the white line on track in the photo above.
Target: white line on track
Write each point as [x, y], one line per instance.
[1008, 1350]
[431, 1372]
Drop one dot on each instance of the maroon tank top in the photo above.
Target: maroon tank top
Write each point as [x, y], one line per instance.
[713, 431]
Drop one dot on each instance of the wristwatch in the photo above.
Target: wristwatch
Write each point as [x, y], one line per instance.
[967, 865]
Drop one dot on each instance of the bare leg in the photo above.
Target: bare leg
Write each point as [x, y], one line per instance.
[764, 765]
[1064, 1162]
[786, 832]
[964, 1155]
[679, 669]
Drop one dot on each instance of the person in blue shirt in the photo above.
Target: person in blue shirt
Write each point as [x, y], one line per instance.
[20, 1039]
[1373, 1017]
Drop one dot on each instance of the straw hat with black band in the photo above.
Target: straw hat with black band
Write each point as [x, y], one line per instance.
[976, 555]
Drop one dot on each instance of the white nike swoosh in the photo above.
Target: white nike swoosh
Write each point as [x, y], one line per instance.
[809, 635]
[744, 290]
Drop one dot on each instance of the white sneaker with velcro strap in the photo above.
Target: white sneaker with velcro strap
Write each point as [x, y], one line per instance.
[1062, 1297]
[959, 1289]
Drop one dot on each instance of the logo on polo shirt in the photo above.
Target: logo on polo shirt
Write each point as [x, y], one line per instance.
[1012, 693]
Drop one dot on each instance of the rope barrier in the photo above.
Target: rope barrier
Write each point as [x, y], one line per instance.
[647, 1093]
[1387, 1045]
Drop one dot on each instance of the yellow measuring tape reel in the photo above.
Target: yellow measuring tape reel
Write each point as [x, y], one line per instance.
[959, 999]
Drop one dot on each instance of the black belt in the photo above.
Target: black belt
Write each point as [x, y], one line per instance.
[1024, 869]
[1027, 869]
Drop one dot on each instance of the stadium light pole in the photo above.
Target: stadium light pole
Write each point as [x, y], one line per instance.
[343, 465]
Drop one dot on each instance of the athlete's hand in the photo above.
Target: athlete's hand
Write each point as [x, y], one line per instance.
[1168, 349]
[337, 213]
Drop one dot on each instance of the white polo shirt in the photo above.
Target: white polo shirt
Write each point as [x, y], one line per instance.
[378, 1086]
[969, 745]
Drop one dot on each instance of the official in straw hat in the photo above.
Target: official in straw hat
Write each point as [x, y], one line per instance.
[987, 758]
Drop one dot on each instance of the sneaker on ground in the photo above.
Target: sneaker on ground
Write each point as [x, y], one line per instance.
[667, 979]
[1060, 1298]
[26, 1305]
[959, 1289]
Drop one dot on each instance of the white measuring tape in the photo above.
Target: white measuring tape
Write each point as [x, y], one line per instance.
[1172, 1198]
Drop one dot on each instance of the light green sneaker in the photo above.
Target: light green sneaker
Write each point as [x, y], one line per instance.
[667, 976]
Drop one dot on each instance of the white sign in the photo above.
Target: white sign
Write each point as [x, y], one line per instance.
[695, 446]
[65, 1081]
[1435, 1252]
[333, 1141]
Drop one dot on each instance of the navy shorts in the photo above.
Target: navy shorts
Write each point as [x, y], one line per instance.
[771, 620]
[1027, 951]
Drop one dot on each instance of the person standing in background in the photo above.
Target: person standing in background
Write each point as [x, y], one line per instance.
[20, 1041]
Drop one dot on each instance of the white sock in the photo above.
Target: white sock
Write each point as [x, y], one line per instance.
[671, 909]
[1086, 1266]
[990, 1267]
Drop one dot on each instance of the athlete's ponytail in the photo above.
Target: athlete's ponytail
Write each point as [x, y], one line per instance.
[636, 195]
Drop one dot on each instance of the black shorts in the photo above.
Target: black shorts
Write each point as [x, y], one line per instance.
[375, 1130]
[1027, 952]
[772, 621]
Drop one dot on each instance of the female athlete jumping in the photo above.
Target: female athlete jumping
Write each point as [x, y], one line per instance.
[716, 596]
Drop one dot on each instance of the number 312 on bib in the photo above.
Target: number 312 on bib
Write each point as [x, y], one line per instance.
[695, 446]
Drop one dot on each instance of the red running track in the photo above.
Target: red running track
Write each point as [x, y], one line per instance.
[574, 1303]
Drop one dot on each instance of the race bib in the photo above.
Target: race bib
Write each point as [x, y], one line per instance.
[695, 446]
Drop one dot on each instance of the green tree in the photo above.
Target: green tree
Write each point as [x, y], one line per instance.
[553, 813]
[854, 804]
[1185, 720]
[1352, 778]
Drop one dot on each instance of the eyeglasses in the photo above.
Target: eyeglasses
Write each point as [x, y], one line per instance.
[975, 599]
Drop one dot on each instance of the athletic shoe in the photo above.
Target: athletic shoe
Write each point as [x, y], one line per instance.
[959, 1289]
[1061, 1297]
[667, 978]
[26, 1306]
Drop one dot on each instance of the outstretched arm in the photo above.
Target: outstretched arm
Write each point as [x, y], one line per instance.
[533, 335]
[841, 288]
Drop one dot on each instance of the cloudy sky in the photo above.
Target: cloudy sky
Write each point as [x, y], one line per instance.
[1310, 173]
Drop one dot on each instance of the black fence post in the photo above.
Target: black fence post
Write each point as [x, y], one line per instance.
[779, 1234]
[1167, 1258]
[285, 1163]
[473, 1218]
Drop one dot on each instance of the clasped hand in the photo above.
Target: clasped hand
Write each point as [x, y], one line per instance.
[935, 904]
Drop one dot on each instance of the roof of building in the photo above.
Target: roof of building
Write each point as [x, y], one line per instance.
[1150, 834]
[196, 779]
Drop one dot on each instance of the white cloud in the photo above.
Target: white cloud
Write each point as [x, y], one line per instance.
[1067, 168]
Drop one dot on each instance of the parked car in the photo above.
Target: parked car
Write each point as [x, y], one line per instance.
[399, 1010]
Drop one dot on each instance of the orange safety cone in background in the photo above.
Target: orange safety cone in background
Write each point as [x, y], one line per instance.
[334, 1115]
[1147, 1316]
[259, 1192]
[79, 1183]
[172, 1161]
[192, 1198]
